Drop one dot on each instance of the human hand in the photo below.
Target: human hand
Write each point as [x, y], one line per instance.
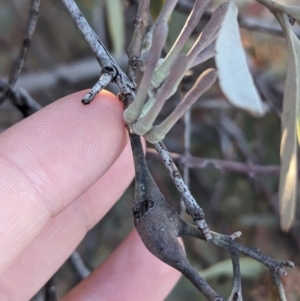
[62, 169]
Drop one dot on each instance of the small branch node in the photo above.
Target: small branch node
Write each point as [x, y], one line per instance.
[137, 21]
[236, 296]
[291, 20]
[191, 205]
[135, 62]
[103, 81]
[281, 272]
[204, 230]
[290, 264]
[235, 235]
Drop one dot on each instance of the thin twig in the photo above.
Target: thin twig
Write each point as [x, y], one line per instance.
[186, 145]
[134, 50]
[236, 292]
[107, 63]
[79, 265]
[227, 243]
[103, 81]
[237, 134]
[30, 27]
[22, 100]
[191, 205]
[84, 70]
[204, 163]
[243, 145]
[279, 285]
[50, 290]
[186, 152]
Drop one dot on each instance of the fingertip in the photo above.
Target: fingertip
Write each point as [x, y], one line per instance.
[69, 144]
[130, 273]
[50, 159]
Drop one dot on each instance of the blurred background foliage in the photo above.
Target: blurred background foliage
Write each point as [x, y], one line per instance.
[60, 63]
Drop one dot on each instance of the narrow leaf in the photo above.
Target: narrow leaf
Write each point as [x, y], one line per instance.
[144, 124]
[203, 83]
[133, 112]
[116, 25]
[290, 125]
[234, 76]
[181, 32]
[209, 33]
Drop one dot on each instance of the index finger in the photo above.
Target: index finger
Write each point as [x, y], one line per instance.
[51, 158]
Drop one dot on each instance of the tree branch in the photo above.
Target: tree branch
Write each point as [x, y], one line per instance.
[204, 163]
[134, 50]
[190, 203]
[21, 99]
[106, 61]
[79, 265]
[30, 28]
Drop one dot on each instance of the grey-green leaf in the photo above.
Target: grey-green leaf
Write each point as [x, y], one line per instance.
[116, 25]
[290, 122]
[234, 76]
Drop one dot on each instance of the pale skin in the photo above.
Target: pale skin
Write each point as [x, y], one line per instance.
[62, 169]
